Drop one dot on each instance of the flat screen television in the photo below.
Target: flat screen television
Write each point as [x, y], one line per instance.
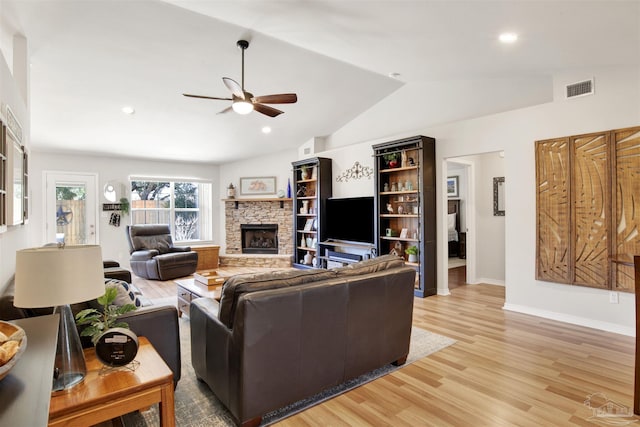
[350, 219]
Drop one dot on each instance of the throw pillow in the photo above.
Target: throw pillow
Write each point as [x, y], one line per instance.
[126, 292]
[372, 265]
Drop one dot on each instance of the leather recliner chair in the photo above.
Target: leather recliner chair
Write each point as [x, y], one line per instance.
[153, 255]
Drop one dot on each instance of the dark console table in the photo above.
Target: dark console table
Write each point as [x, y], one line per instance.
[25, 393]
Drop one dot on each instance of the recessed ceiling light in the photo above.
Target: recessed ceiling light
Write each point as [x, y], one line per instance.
[266, 129]
[508, 37]
[128, 110]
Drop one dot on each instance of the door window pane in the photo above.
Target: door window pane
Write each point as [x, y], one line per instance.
[71, 217]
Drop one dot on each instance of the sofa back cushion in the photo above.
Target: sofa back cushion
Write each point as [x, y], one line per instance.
[372, 265]
[236, 286]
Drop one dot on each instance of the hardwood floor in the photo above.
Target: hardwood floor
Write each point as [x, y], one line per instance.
[505, 369]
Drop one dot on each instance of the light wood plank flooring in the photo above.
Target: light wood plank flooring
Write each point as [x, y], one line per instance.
[506, 369]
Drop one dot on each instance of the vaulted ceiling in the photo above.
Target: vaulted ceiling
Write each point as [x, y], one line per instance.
[91, 58]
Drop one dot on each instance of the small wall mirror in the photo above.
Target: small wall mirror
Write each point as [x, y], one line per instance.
[498, 196]
[110, 192]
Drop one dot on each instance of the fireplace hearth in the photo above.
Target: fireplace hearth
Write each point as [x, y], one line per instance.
[259, 238]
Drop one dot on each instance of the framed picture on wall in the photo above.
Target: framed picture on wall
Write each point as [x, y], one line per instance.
[258, 185]
[452, 186]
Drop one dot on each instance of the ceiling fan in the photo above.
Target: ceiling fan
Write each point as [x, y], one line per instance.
[244, 102]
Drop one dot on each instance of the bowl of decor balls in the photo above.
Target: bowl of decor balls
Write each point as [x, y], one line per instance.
[13, 342]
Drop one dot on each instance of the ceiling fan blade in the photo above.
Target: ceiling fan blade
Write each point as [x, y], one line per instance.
[281, 98]
[226, 110]
[234, 87]
[206, 97]
[266, 110]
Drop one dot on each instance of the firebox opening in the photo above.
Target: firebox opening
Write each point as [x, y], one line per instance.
[259, 238]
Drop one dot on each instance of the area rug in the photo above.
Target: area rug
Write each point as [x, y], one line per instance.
[197, 406]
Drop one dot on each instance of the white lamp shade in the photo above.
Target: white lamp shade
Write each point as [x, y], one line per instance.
[51, 276]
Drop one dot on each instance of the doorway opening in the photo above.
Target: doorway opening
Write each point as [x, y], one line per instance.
[477, 242]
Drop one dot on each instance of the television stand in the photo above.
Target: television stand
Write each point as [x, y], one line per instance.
[337, 253]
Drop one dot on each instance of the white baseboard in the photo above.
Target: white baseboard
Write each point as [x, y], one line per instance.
[486, 281]
[574, 320]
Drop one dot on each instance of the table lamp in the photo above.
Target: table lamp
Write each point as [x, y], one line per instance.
[60, 276]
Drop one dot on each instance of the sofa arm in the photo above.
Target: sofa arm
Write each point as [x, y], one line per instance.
[180, 249]
[210, 342]
[144, 255]
[159, 324]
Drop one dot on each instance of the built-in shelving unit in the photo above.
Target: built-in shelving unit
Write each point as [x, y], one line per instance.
[312, 188]
[405, 205]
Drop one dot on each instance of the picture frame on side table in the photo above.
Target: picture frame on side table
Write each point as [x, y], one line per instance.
[258, 185]
[452, 186]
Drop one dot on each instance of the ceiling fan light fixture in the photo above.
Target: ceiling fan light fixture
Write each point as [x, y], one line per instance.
[242, 107]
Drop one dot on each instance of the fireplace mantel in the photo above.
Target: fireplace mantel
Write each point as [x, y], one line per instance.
[251, 200]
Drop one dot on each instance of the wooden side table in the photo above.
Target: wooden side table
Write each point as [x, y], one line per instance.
[101, 397]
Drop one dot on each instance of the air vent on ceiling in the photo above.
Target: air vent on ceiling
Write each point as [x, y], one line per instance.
[582, 88]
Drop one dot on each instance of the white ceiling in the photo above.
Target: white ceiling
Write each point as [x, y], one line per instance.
[90, 58]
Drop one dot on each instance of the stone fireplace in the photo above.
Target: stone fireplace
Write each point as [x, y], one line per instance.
[259, 238]
[261, 213]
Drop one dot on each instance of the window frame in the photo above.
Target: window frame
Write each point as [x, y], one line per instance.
[204, 209]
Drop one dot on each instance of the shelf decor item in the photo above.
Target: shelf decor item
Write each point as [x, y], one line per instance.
[63, 275]
[231, 191]
[412, 251]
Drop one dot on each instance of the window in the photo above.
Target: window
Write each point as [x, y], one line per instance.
[184, 205]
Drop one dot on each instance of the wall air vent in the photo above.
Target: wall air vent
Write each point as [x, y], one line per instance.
[582, 88]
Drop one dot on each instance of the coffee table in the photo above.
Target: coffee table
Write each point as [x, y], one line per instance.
[104, 396]
[190, 289]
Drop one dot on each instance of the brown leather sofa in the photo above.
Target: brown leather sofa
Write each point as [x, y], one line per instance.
[153, 255]
[276, 338]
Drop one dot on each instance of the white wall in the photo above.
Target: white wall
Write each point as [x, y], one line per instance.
[112, 239]
[616, 104]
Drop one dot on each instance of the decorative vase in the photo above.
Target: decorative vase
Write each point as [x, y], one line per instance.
[288, 188]
[305, 207]
[303, 242]
[308, 258]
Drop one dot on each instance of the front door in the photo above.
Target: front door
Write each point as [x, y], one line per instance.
[71, 208]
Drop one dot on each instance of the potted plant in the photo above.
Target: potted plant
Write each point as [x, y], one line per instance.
[124, 205]
[100, 322]
[392, 159]
[412, 251]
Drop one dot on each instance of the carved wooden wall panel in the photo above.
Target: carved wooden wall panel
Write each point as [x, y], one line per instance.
[552, 167]
[626, 181]
[588, 209]
[590, 214]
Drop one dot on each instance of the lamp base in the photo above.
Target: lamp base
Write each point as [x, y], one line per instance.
[70, 367]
